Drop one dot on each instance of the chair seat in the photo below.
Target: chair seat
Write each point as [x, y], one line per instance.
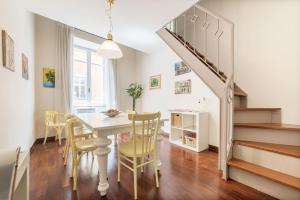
[83, 132]
[127, 148]
[85, 145]
[56, 124]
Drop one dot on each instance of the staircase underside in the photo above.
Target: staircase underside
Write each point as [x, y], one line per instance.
[215, 81]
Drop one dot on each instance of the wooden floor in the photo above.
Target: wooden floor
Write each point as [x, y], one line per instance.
[184, 175]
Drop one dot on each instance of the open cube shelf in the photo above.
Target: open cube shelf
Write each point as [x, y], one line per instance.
[189, 129]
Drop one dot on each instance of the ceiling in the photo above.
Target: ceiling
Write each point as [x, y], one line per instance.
[135, 21]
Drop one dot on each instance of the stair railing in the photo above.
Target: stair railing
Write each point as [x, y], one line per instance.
[195, 28]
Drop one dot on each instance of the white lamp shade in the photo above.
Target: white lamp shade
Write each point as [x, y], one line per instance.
[109, 49]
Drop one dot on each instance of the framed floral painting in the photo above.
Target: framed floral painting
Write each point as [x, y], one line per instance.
[155, 82]
[49, 77]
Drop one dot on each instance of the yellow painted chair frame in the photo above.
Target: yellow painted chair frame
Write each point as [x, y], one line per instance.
[55, 120]
[79, 146]
[142, 146]
[80, 132]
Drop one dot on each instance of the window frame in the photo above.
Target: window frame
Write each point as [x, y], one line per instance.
[88, 100]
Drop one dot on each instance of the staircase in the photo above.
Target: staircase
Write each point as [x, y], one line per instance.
[266, 153]
[256, 148]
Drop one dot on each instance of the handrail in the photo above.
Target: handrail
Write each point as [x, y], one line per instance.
[186, 28]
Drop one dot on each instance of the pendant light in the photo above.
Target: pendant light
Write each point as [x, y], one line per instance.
[109, 49]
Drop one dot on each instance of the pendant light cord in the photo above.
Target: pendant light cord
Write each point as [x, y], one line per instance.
[108, 12]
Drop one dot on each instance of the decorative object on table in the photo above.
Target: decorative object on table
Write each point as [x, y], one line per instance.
[155, 82]
[49, 77]
[183, 87]
[109, 49]
[111, 112]
[181, 68]
[8, 51]
[135, 91]
[24, 66]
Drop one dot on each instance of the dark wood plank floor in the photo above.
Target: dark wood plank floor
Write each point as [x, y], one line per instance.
[184, 175]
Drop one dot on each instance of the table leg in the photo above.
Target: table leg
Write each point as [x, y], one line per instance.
[102, 152]
[158, 142]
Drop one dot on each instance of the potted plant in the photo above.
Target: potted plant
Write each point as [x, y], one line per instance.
[135, 91]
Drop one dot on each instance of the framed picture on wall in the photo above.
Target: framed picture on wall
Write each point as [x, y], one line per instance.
[183, 87]
[155, 82]
[49, 77]
[24, 66]
[8, 51]
[181, 68]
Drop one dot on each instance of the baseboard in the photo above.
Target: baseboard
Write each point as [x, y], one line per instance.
[213, 148]
[41, 140]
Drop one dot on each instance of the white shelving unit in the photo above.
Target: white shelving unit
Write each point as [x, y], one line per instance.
[189, 129]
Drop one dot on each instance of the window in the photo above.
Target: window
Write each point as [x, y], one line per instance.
[88, 71]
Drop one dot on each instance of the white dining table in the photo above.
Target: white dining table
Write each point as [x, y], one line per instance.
[105, 126]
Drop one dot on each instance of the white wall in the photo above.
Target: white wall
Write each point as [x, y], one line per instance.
[16, 93]
[45, 45]
[46, 57]
[162, 62]
[267, 51]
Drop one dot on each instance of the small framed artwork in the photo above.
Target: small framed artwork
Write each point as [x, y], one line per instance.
[183, 87]
[155, 82]
[8, 51]
[181, 68]
[49, 77]
[24, 66]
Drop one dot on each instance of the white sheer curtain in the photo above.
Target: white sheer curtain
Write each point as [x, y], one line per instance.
[109, 84]
[63, 88]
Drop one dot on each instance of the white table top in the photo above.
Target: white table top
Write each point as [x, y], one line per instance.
[101, 122]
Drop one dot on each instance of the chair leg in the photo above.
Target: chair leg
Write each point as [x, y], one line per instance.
[155, 170]
[65, 148]
[66, 151]
[46, 135]
[135, 177]
[119, 157]
[142, 167]
[59, 132]
[75, 173]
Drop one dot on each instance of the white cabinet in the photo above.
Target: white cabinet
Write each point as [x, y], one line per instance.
[189, 129]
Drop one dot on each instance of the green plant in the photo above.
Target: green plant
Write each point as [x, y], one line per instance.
[50, 77]
[135, 91]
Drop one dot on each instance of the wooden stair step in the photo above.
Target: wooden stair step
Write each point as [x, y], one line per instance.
[238, 91]
[289, 150]
[257, 109]
[274, 126]
[266, 173]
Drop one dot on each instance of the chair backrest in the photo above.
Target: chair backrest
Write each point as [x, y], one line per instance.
[131, 112]
[145, 128]
[71, 124]
[50, 117]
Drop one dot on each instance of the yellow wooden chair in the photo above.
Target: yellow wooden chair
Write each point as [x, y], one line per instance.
[78, 146]
[80, 132]
[56, 121]
[141, 147]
